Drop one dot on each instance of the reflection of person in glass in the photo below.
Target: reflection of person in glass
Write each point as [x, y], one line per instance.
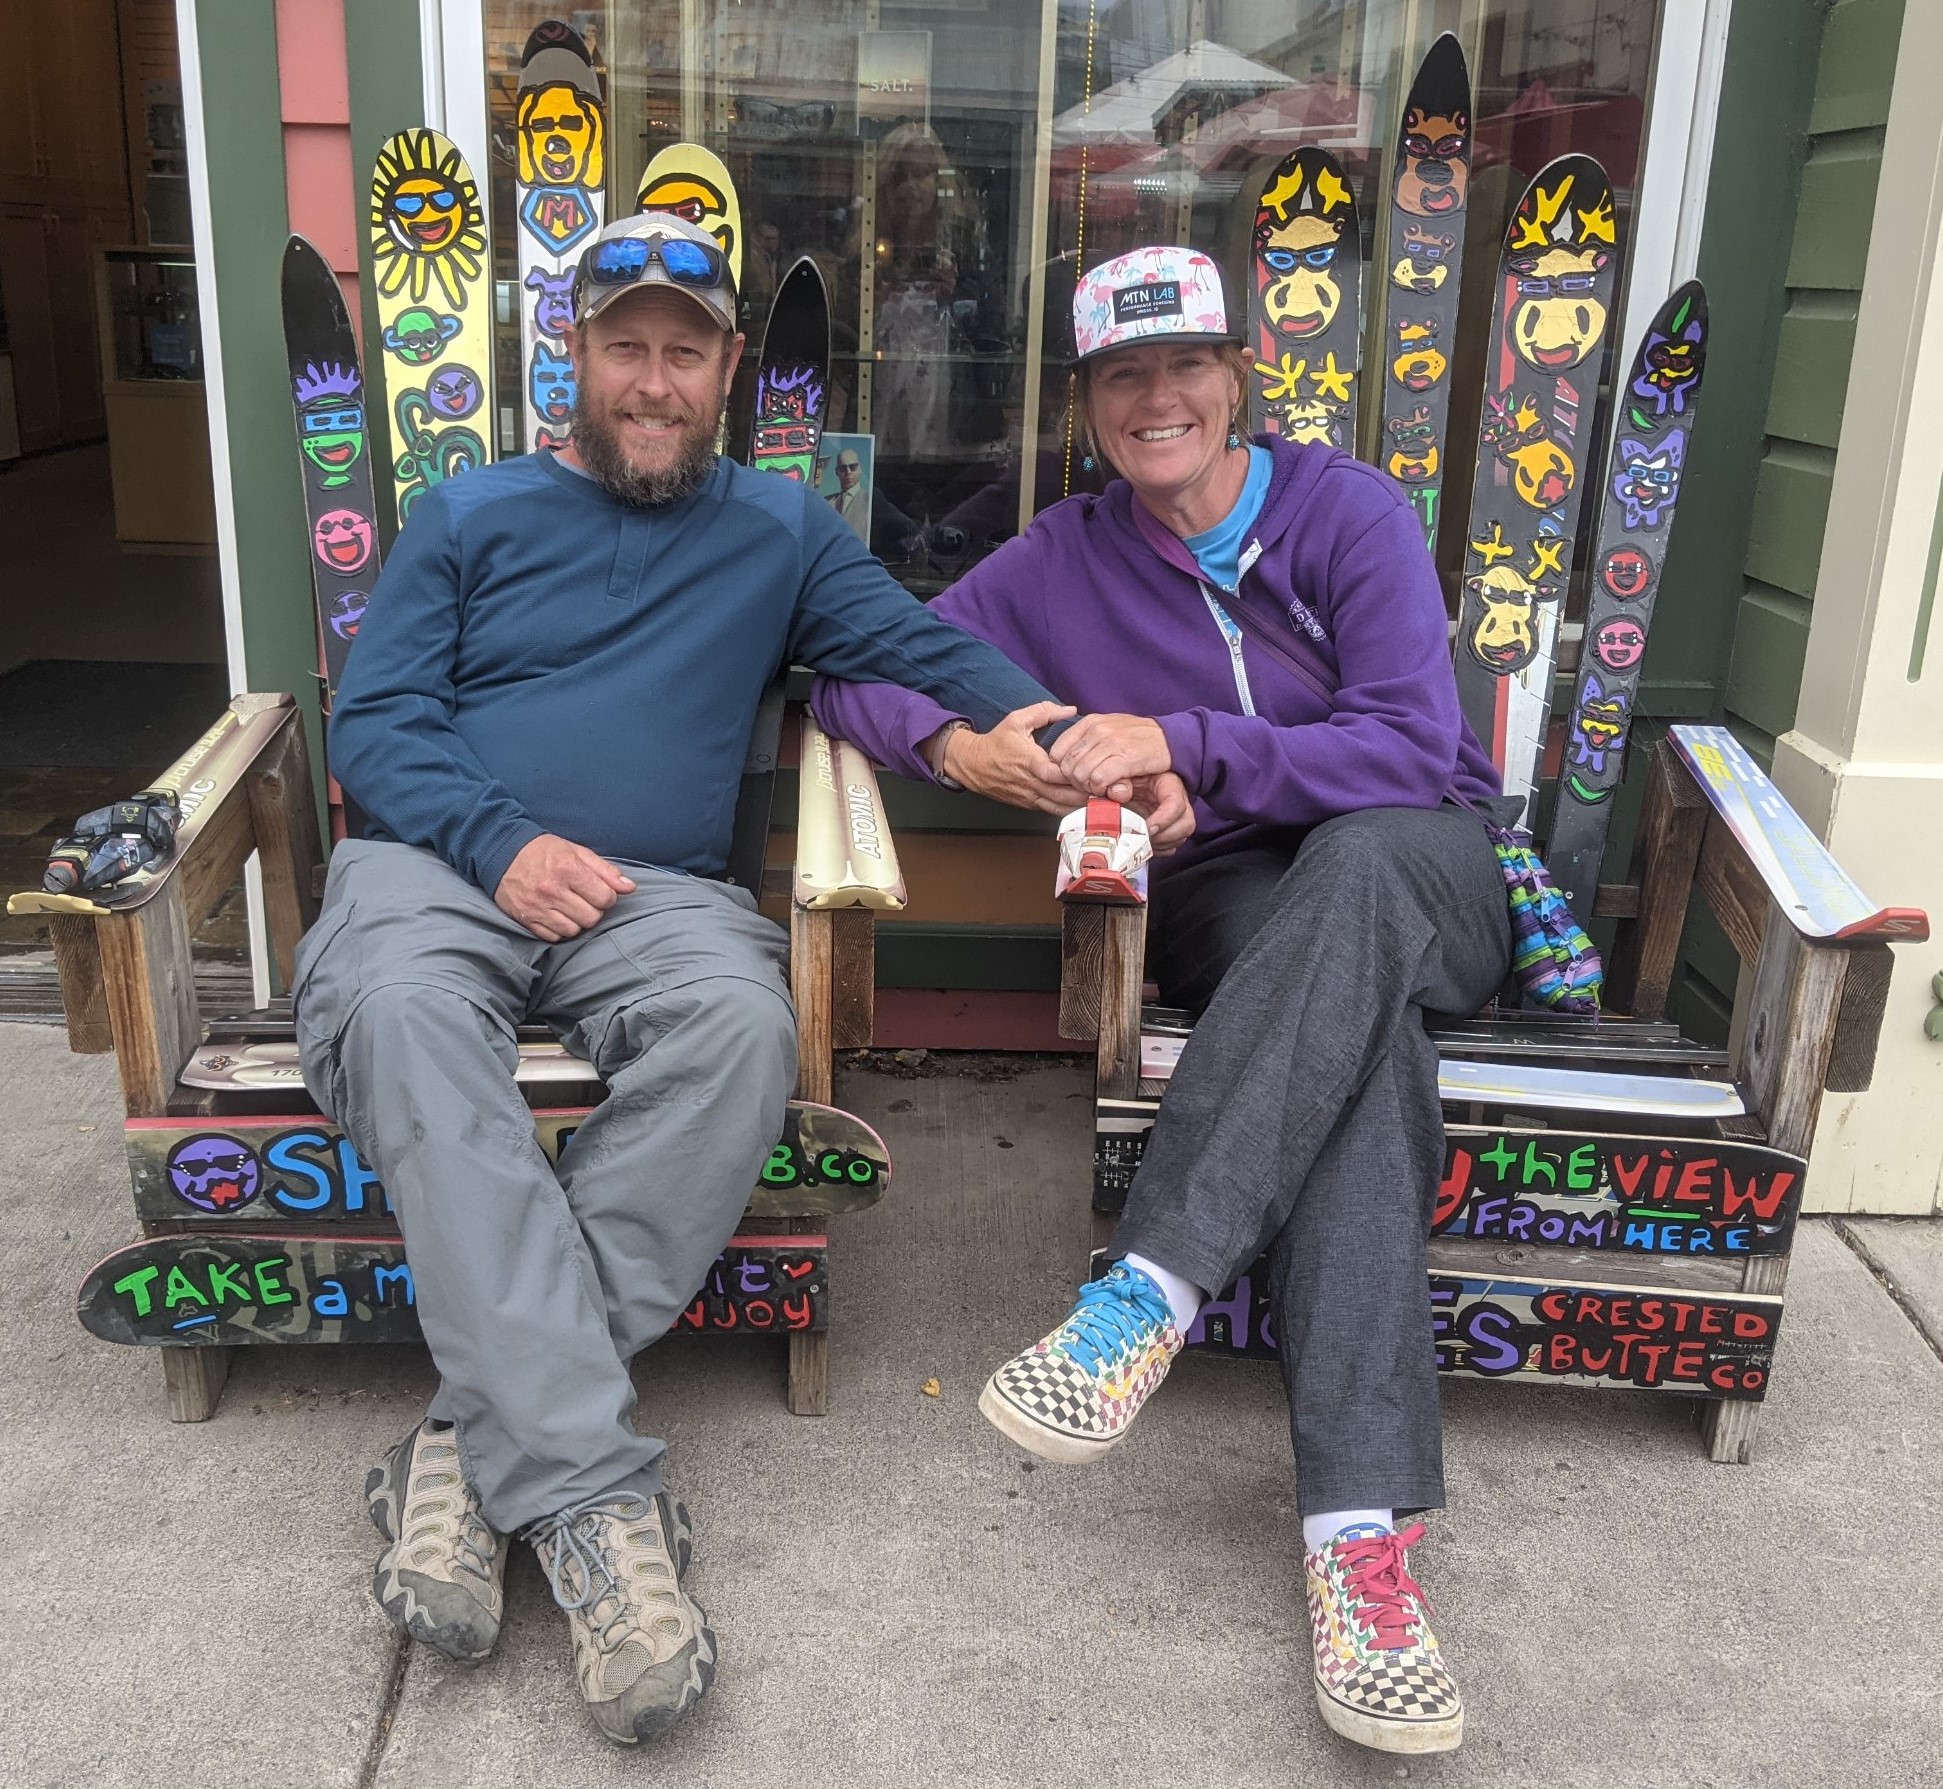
[925, 254]
[850, 500]
[1256, 635]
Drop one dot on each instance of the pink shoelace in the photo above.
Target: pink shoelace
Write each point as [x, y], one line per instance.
[1384, 1600]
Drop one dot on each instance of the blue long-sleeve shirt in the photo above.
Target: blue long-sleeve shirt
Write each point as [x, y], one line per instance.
[540, 657]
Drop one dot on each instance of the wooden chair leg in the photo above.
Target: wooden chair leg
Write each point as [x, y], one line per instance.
[192, 1380]
[809, 1373]
[1728, 1426]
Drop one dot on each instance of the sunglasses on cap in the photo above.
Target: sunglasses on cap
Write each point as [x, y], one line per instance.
[624, 259]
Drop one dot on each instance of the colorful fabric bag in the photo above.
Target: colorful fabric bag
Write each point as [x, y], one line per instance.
[1554, 961]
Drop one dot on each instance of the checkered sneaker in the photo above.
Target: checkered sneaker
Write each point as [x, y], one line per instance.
[1071, 1397]
[1380, 1679]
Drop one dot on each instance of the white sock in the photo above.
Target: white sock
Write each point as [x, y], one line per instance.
[1184, 1298]
[1319, 1531]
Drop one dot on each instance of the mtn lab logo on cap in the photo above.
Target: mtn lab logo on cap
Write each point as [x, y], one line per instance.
[1133, 304]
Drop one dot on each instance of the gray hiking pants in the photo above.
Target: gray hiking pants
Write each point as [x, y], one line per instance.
[1303, 1120]
[536, 1285]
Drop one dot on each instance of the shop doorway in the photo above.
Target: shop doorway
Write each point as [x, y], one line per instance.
[112, 651]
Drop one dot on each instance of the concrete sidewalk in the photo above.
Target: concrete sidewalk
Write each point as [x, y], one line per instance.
[901, 1597]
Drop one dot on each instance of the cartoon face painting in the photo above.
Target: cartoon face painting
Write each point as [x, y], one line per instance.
[347, 610]
[330, 419]
[1299, 230]
[1426, 260]
[454, 392]
[426, 222]
[1542, 472]
[562, 136]
[1313, 420]
[342, 540]
[1619, 644]
[1599, 725]
[1413, 454]
[553, 300]
[1419, 363]
[1627, 572]
[550, 384]
[695, 199]
[1647, 480]
[214, 1173]
[1669, 373]
[419, 336]
[1436, 168]
[1505, 636]
[1559, 318]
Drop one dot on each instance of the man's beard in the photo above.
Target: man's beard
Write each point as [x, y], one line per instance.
[597, 441]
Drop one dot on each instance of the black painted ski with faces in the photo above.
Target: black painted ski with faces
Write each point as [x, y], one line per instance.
[1656, 409]
[1428, 206]
[333, 451]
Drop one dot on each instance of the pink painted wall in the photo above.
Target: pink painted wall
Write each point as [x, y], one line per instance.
[320, 187]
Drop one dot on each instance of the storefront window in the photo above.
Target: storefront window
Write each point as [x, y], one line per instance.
[950, 202]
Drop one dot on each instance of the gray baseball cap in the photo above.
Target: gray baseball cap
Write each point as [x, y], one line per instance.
[593, 295]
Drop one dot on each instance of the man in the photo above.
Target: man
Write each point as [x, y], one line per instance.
[545, 719]
[848, 498]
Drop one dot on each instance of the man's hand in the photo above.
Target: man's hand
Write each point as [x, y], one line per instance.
[557, 889]
[1104, 753]
[1008, 765]
[1163, 801]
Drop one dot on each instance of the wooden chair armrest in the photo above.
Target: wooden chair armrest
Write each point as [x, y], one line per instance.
[208, 779]
[846, 874]
[1756, 841]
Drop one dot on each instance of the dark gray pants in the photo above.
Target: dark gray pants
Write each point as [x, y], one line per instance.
[536, 1285]
[1303, 1119]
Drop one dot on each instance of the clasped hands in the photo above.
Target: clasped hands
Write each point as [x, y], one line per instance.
[1123, 757]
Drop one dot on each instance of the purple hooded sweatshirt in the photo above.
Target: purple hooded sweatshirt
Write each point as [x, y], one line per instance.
[1105, 606]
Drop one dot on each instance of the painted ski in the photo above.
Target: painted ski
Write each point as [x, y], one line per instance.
[302, 1169]
[793, 377]
[334, 451]
[1705, 1343]
[560, 199]
[1527, 1084]
[240, 1287]
[204, 774]
[1548, 347]
[1821, 899]
[694, 183]
[1305, 302]
[1688, 1196]
[428, 251]
[1656, 412]
[1427, 213]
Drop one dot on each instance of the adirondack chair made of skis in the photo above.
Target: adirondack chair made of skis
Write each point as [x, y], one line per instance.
[1618, 1201]
[257, 1221]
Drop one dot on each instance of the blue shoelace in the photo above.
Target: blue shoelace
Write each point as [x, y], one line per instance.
[1113, 1316]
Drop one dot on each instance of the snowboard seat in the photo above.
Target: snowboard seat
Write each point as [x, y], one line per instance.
[1592, 1229]
[127, 986]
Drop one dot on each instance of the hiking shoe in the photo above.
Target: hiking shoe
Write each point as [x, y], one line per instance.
[1071, 1397]
[439, 1579]
[642, 1648]
[1380, 1679]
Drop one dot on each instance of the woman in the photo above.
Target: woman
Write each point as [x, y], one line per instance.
[1257, 638]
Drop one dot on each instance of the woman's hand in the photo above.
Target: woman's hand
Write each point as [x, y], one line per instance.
[1163, 801]
[1008, 764]
[1105, 753]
